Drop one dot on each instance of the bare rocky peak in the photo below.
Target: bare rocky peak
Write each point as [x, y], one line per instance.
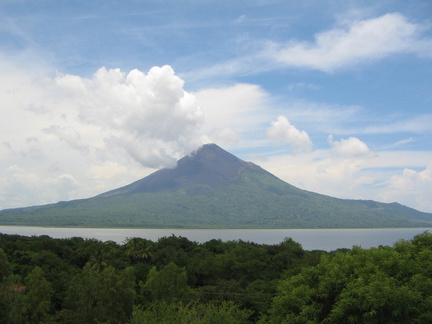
[208, 168]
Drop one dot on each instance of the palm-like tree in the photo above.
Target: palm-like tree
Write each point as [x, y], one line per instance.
[97, 261]
[138, 248]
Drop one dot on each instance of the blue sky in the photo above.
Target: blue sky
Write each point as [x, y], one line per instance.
[331, 96]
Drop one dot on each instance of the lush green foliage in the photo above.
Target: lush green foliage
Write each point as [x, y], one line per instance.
[174, 280]
[379, 285]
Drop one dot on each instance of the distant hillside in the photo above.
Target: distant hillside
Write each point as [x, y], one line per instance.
[214, 189]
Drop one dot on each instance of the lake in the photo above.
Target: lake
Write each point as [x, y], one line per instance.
[310, 239]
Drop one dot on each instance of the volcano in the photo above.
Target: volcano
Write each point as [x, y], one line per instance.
[212, 188]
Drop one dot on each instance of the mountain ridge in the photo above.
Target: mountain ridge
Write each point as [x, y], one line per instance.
[212, 188]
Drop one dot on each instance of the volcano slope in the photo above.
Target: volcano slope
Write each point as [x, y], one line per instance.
[212, 188]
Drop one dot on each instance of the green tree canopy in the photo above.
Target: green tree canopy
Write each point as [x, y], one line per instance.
[168, 284]
[378, 285]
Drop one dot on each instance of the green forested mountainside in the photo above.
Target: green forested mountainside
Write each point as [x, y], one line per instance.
[174, 280]
[215, 189]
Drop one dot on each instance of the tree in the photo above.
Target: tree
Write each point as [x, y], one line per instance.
[5, 268]
[25, 302]
[97, 261]
[38, 293]
[104, 296]
[377, 298]
[168, 284]
[378, 285]
[172, 249]
[138, 248]
[12, 301]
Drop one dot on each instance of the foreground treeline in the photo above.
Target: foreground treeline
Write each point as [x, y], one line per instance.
[174, 280]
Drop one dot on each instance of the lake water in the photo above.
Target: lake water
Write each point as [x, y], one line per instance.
[310, 239]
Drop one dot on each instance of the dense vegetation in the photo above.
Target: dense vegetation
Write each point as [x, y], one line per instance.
[174, 280]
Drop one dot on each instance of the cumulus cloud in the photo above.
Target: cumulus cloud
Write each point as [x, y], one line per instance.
[410, 179]
[350, 147]
[354, 42]
[150, 115]
[411, 187]
[59, 132]
[284, 131]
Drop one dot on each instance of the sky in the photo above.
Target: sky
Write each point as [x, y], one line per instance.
[331, 96]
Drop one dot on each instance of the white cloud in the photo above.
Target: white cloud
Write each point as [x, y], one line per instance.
[351, 42]
[233, 114]
[55, 129]
[226, 136]
[69, 135]
[354, 42]
[411, 178]
[283, 130]
[18, 186]
[139, 110]
[412, 188]
[108, 175]
[350, 147]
